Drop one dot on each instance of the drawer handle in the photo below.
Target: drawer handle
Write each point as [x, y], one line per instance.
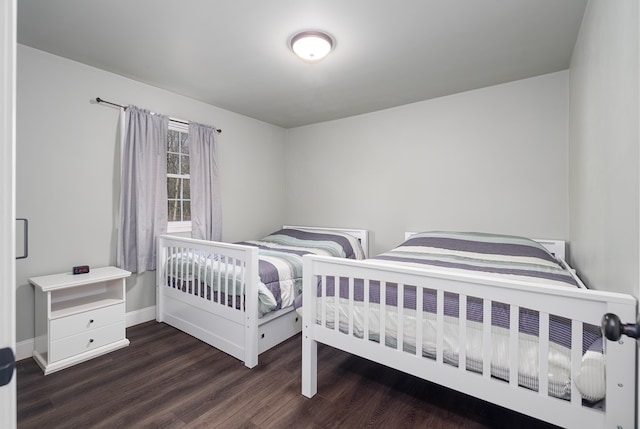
[90, 340]
[90, 320]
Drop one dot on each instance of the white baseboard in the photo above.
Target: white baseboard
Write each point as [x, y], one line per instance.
[140, 316]
[24, 349]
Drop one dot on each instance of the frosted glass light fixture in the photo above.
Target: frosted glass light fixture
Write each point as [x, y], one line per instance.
[311, 46]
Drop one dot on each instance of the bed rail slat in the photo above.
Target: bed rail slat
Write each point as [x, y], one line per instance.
[383, 316]
[351, 304]
[543, 342]
[400, 334]
[462, 334]
[367, 311]
[226, 291]
[216, 280]
[185, 267]
[199, 274]
[323, 299]
[234, 279]
[486, 338]
[226, 300]
[195, 287]
[230, 298]
[440, 326]
[576, 359]
[419, 321]
[514, 335]
[218, 286]
[169, 267]
[336, 301]
[181, 269]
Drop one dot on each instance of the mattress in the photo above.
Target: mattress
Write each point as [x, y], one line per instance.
[484, 254]
[279, 266]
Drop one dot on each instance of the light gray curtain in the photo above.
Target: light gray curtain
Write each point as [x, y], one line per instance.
[143, 199]
[206, 208]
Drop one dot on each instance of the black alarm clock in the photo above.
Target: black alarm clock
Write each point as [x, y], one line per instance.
[81, 269]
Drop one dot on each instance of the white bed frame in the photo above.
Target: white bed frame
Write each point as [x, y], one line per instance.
[579, 305]
[238, 332]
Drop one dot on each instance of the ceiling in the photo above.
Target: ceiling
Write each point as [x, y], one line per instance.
[234, 54]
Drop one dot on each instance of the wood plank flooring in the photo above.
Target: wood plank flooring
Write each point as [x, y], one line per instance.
[168, 379]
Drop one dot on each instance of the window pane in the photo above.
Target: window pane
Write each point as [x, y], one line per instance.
[186, 207]
[184, 142]
[174, 211]
[173, 141]
[173, 188]
[184, 161]
[186, 189]
[172, 163]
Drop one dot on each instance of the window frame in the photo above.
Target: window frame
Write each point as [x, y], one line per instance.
[178, 226]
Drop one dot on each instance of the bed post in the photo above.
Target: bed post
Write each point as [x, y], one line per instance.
[621, 364]
[161, 258]
[309, 346]
[251, 308]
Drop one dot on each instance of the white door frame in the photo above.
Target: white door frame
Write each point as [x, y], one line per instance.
[8, 24]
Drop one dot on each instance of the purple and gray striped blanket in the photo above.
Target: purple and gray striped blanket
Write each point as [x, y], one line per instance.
[280, 258]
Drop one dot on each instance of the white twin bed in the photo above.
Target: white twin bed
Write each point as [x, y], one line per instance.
[504, 321]
[238, 297]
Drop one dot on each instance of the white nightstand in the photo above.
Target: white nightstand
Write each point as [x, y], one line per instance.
[78, 317]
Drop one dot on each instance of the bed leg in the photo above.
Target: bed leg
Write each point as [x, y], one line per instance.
[159, 305]
[309, 366]
[251, 342]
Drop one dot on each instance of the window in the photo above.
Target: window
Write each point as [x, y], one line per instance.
[178, 179]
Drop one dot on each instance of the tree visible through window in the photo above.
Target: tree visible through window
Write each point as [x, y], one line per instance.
[178, 179]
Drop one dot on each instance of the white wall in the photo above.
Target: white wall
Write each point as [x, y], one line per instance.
[68, 170]
[604, 139]
[493, 159]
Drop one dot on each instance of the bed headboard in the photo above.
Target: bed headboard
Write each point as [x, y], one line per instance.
[555, 247]
[361, 234]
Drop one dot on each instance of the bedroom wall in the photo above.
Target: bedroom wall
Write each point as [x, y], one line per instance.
[493, 159]
[68, 170]
[604, 139]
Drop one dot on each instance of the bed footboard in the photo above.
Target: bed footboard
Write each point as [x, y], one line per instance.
[497, 340]
[210, 290]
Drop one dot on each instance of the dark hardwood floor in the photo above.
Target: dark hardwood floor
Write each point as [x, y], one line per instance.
[167, 379]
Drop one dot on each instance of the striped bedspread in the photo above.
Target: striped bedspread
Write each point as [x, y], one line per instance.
[515, 257]
[280, 260]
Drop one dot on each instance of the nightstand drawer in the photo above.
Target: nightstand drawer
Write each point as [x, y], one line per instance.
[86, 341]
[86, 321]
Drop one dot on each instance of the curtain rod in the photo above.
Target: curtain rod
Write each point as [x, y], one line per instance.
[182, 121]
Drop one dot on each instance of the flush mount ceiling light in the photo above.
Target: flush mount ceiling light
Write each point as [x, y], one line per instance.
[311, 46]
